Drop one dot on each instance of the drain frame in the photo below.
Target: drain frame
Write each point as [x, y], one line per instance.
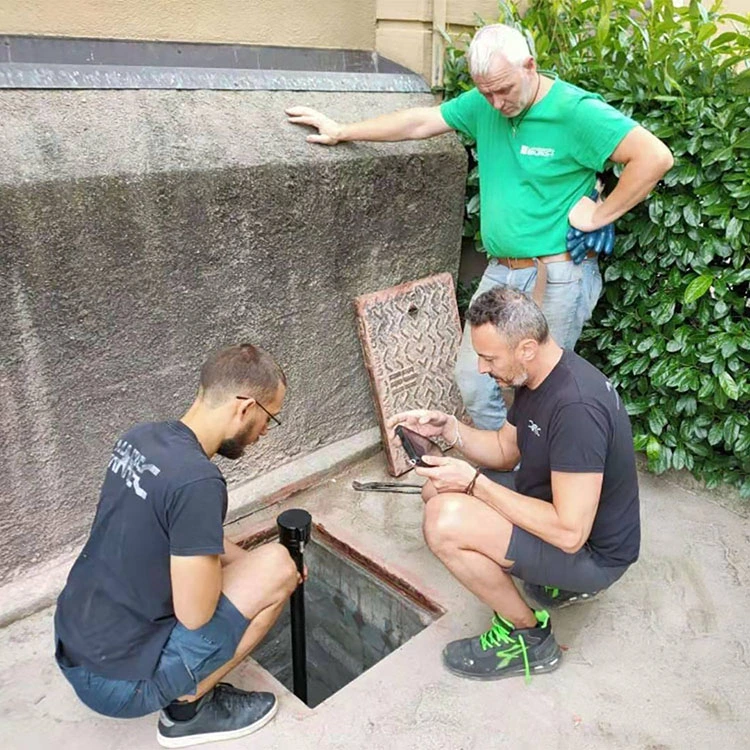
[396, 588]
[321, 535]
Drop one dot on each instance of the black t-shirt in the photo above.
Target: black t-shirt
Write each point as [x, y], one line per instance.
[576, 422]
[161, 496]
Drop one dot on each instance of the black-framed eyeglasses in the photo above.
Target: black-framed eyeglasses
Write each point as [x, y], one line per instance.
[247, 398]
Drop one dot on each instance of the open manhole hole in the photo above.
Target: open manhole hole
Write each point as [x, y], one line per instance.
[356, 614]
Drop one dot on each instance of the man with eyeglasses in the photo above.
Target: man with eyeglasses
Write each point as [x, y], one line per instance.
[159, 605]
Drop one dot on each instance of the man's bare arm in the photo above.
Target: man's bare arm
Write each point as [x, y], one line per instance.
[646, 161]
[196, 587]
[404, 125]
[565, 522]
[492, 449]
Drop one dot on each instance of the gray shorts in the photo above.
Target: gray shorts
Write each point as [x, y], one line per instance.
[537, 561]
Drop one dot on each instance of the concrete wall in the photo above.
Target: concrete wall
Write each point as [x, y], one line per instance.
[324, 23]
[138, 230]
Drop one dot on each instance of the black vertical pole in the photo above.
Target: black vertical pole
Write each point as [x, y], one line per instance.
[294, 533]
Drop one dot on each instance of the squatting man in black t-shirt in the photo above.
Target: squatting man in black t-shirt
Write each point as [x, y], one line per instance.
[159, 605]
[566, 522]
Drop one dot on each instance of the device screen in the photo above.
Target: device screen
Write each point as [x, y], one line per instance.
[417, 445]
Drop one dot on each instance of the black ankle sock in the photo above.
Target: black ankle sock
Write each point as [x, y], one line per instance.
[182, 710]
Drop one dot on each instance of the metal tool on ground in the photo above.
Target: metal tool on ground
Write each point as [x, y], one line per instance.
[401, 488]
[294, 533]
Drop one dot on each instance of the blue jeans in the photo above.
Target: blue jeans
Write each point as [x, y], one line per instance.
[571, 295]
[188, 657]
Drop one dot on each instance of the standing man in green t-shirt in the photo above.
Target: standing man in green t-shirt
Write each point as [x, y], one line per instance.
[540, 142]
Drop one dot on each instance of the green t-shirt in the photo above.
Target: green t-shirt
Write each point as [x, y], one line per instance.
[530, 181]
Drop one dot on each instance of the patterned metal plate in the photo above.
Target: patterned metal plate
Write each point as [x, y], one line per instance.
[410, 336]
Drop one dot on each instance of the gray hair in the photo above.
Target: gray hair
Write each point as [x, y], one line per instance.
[515, 315]
[493, 40]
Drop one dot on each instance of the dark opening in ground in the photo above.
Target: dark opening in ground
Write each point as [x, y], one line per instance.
[354, 619]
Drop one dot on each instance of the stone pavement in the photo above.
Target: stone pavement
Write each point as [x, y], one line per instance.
[661, 661]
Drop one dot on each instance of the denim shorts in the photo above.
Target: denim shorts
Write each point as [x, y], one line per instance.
[537, 561]
[188, 657]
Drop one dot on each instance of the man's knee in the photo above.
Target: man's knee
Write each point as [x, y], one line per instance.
[273, 563]
[286, 567]
[442, 524]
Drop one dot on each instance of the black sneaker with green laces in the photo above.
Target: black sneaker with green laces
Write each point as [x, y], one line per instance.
[555, 598]
[224, 713]
[505, 651]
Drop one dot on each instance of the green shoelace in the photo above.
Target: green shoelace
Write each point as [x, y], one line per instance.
[499, 637]
[552, 591]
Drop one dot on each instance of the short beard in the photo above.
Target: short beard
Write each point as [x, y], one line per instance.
[520, 380]
[233, 448]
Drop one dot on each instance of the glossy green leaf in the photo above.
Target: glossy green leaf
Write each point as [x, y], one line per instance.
[676, 348]
[657, 421]
[729, 386]
[653, 448]
[697, 288]
[734, 227]
[692, 214]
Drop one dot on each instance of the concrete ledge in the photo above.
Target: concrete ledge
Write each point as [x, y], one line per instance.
[312, 469]
[33, 76]
[36, 589]
[39, 587]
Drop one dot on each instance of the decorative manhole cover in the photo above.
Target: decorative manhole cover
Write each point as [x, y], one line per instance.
[410, 336]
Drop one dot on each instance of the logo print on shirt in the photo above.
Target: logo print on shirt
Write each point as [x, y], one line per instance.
[537, 151]
[535, 428]
[611, 388]
[130, 464]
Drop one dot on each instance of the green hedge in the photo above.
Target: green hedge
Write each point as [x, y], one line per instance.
[672, 329]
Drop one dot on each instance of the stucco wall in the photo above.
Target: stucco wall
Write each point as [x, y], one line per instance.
[138, 230]
[408, 31]
[736, 6]
[339, 24]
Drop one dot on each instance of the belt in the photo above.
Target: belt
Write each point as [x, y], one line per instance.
[541, 269]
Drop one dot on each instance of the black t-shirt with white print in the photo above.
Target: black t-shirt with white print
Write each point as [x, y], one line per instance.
[161, 496]
[576, 422]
